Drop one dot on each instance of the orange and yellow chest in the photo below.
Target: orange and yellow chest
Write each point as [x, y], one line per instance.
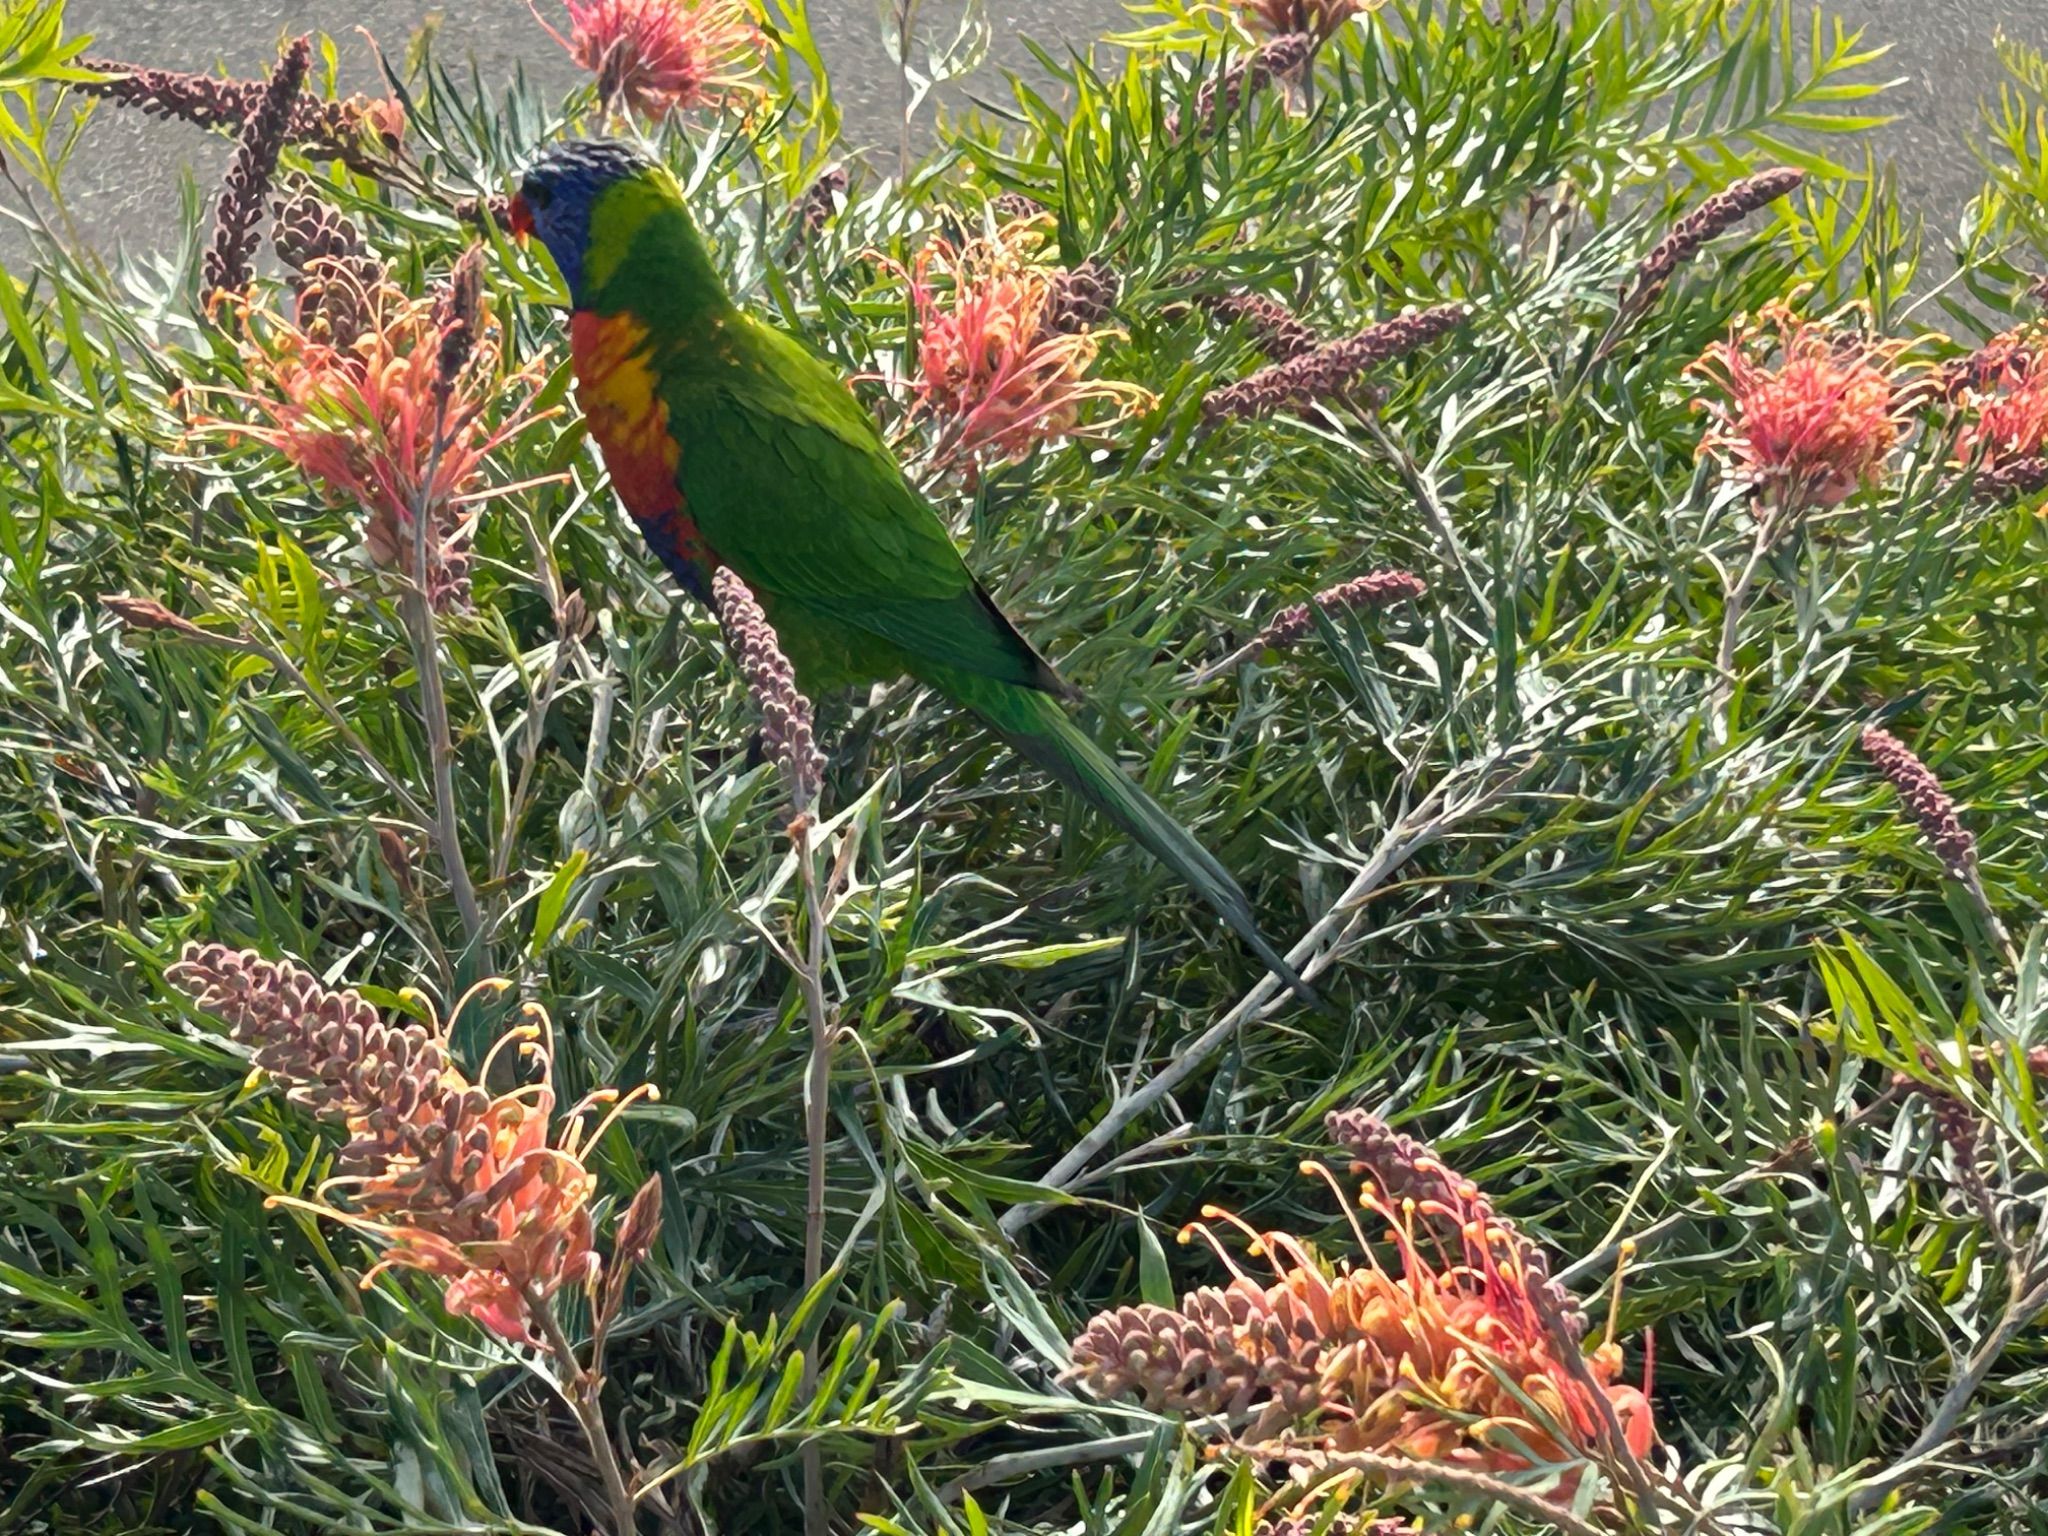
[621, 399]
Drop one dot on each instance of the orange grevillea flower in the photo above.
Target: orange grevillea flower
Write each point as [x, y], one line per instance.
[655, 57]
[401, 416]
[1806, 412]
[1466, 1353]
[998, 364]
[2002, 389]
[489, 1193]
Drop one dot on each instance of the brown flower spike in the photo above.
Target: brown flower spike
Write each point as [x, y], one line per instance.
[1323, 373]
[1218, 99]
[1927, 802]
[1281, 334]
[785, 713]
[353, 131]
[1375, 589]
[249, 177]
[1714, 217]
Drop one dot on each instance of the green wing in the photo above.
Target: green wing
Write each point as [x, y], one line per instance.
[787, 479]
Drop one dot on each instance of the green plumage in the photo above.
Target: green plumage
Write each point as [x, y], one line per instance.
[787, 480]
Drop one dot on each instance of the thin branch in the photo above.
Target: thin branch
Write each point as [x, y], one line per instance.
[581, 1389]
[2020, 1312]
[810, 978]
[1315, 952]
[1408, 1469]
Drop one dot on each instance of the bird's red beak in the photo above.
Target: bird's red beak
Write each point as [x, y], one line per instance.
[520, 217]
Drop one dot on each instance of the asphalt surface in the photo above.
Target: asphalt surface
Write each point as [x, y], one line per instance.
[1941, 54]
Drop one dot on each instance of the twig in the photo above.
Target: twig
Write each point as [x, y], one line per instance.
[1732, 609]
[1311, 955]
[1432, 508]
[810, 979]
[582, 1389]
[416, 611]
[1410, 1469]
[2026, 1304]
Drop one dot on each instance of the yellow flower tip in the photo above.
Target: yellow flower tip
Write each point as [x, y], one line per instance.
[1628, 1249]
[1213, 1213]
[1185, 1235]
[1257, 1248]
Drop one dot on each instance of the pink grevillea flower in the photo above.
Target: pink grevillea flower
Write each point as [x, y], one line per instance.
[2002, 390]
[403, 416]
[655, 57]
[1806, 412]
[1001, 362]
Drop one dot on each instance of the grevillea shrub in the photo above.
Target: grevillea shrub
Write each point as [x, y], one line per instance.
[483, 1048]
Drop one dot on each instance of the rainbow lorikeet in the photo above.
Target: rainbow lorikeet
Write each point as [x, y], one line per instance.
[730, 444]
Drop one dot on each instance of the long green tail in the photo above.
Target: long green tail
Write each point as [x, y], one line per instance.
[1041, 730]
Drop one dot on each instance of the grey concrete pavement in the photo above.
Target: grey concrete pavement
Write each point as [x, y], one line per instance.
[1942, 51]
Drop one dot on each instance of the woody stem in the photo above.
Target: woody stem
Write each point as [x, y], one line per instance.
[582, 1390]
[810, 978]
[416, 608]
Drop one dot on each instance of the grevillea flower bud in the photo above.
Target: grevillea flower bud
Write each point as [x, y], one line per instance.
[1717, 215]
[1321, 374]
[334, 271]
[149, 615]
[458, 316]
[1928, 803]
[249, 176]
[1010, 206]
[785, 713]
[330, 1050]
[1957, 1124]
[814, 210]
[489, 1194]
[2015, 481]
[1406, 1169]
[1458, 1356]
[1218, 99]
[1281, 334]
[1079, 298]
[1318, 18]
[495, 209]
[641, 1224]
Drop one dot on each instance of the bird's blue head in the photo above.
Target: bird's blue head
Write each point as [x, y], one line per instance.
[560, 192]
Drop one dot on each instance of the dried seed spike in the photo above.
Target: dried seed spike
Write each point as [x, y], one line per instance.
[1690, 235]
[785, 712]
[1927, 802]
[248, 180]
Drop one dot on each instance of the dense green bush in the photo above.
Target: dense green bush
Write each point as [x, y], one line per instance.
[1641, 942]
